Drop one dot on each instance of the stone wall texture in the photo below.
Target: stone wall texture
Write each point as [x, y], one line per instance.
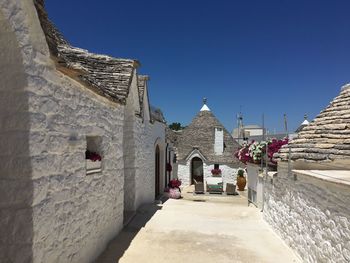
[16, 187]
[310, 214]
[51, 210]
[141, 136]
[54, 212]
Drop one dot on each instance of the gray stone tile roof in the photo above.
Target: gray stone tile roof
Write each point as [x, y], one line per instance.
[108, 76]
[327, 137]
[200, 134]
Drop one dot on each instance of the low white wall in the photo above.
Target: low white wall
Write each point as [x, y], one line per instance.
[310, 214]
[184, 173]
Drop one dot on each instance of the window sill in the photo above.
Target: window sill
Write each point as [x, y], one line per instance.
[93, 166]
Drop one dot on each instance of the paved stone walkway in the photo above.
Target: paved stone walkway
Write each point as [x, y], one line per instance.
[198, 229]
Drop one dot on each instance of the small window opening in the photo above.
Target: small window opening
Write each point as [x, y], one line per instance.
[93, 154]
[216, 166]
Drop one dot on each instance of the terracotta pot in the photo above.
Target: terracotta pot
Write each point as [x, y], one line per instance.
[241, 182]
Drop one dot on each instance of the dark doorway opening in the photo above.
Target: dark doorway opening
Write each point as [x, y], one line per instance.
[157, 171]
[196, 170]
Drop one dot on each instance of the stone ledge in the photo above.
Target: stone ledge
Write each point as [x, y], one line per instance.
[341, 177]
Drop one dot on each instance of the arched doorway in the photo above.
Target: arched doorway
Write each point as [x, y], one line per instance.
[157, 171]
[196, 170]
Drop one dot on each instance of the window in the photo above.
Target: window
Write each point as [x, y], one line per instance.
[216, 166]
[93, 155]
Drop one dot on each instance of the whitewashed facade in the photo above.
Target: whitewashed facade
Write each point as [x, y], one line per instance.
[204, 145]
[51, 208]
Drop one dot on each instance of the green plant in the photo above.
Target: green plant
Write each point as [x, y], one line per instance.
[240, 172]
[255, 151]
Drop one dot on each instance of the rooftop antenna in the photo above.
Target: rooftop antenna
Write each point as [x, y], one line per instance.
[264, 139]
[285, 124]
[240, 125]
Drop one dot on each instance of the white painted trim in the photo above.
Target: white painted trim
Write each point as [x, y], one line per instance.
[196, 153]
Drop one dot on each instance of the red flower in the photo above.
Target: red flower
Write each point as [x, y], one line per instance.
[92, 156]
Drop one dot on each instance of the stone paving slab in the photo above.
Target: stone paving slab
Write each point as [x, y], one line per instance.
[190, 231]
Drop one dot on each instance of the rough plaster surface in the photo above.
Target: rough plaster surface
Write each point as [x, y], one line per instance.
[140, 140]
[16, 187]
[50, 210]
[148, 136]
[311, 215]
[61, 214]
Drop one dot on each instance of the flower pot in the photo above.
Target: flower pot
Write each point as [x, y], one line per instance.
[241, 183]
[174, 193]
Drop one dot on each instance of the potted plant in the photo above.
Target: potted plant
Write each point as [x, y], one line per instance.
[241, 180]
[173, 189]
[93, 160]
[216, 172]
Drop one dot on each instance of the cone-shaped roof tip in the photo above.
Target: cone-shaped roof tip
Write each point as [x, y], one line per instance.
[205, 107]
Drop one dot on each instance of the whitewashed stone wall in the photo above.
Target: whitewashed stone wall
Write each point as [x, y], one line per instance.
[311, 215]
[16, 187]
[67, 216]
[144, 164]
[147, 135]
[184, 172]
[130, 138]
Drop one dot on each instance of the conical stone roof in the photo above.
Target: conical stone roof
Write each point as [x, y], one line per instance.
[108, 76]
[200, 135]
[327, 137]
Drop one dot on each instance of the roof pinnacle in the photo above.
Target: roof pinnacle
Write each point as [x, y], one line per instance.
[205, 107]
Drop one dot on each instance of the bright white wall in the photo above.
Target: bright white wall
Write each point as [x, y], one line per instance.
[73, 215]
[311, 215]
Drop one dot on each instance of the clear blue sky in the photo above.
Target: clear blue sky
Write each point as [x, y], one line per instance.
[270, 57]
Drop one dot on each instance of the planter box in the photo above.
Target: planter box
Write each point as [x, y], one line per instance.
[93, 167]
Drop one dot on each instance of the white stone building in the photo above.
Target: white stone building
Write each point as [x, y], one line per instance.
[203, 145]
[307, 201]
[57, 103]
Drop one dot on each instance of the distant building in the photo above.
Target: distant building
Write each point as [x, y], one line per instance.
[203, 145]
[303, 124]
[249, 133]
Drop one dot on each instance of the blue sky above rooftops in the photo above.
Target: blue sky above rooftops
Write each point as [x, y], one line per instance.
[270, 57]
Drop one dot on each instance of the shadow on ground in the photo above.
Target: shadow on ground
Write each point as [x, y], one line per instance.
[122, 241]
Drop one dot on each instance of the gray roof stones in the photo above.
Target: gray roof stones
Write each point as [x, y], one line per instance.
[157, 115]
[108, 76]
[200, 135]
[327, 137]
